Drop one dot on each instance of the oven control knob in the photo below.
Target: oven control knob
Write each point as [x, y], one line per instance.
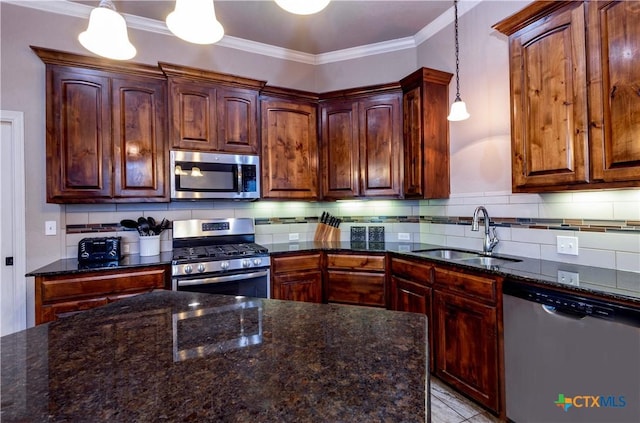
[224, 265]
[188, 269]
[201, 268]
[257, 261]
[246, 263]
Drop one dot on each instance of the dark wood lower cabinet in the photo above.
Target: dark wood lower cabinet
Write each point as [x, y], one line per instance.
[297, 277]
[358, 288]
[357, 279]
[64, 294]
[467, 346]
[464, 310]
[300, 286]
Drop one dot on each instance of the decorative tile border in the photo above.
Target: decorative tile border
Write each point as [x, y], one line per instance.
[585, 225]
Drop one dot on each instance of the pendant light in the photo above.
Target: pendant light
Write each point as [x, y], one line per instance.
[458, 107]
[195, 21]
[106, 34]
[303, 7]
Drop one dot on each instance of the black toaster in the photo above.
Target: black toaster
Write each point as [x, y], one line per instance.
[99, 249]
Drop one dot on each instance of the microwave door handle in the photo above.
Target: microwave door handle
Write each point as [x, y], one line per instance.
[239, 178]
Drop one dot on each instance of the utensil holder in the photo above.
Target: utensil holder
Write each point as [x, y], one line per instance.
[150, 245]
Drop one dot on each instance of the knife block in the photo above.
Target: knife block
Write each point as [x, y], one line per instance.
[326, 233]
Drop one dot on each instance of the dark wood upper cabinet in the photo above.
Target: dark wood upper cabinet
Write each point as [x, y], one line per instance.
[340, 149]
[211, 111]
[289, 145]
[613, 41]
[381, 145]
[192, 109]
[105, 130]
[361, 148]
[138, 138]
[574, 108]
[426, 134]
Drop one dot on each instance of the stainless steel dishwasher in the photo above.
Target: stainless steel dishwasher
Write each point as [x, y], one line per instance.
[569, 358]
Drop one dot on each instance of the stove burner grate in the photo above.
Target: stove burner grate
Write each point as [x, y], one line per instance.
[218, 251]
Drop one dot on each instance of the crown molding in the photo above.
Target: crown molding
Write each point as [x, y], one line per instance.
[78, 10]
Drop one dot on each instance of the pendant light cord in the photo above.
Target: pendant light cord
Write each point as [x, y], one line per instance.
[455, 7]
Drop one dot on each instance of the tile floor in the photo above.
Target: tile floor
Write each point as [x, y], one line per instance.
[447, 406]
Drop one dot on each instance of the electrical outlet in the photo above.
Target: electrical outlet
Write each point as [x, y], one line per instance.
[125, 248]
[294, 236]
[50, 227]
[569, 278]
[404, 236]
[567, 245]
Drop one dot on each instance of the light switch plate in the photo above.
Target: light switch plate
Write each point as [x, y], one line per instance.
[294, 236]
[50, 227]
[567, 245]
[404, 236]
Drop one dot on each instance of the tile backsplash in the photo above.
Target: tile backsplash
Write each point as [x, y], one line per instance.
[606, 223]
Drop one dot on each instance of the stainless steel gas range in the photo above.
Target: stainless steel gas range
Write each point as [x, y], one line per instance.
[219, 256]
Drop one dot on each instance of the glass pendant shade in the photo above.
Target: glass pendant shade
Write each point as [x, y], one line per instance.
[458, 107]
[303, 7]
[195, 21]
[458, 111]
[106, 34]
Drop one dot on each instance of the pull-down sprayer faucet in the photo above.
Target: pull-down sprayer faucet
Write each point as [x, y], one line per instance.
[489, 241]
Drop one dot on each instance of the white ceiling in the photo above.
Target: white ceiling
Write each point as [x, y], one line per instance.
[344, 24]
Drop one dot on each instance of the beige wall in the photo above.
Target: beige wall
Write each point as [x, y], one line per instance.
[480, 146]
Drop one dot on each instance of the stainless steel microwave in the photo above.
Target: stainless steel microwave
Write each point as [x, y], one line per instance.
[200, 176]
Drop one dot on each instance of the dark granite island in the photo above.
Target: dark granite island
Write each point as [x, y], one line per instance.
[177, 356]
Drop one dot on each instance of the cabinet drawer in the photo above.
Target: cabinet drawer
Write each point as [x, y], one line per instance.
[49, 313]
[466, 284]
[355, 262]
[412, 271]
[361, 288]
[296, 263]
[97, 284]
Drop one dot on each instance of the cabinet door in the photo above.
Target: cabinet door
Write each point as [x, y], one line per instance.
[139, 139]
[339, 149]
[413, 145]
[300, 286]
[549, 102]
[414, 298]
[410, 296]
[237, 120]
[614, 80]
[78, 135]
[467, 346]
[380, 126]
[192, 108]
[289, 150]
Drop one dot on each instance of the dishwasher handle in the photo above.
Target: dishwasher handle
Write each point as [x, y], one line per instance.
[563, 312]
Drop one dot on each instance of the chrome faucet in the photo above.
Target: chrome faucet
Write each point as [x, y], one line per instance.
[489, 241]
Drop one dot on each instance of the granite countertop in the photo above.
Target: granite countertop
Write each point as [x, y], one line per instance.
[609, 284]
[179, 356]
[72, 265]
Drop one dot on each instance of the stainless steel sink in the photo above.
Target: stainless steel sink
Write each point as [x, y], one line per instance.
[489, 261]
[469, 257]
[448, 254]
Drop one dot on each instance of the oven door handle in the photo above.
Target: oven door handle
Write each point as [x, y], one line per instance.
[226, 278]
